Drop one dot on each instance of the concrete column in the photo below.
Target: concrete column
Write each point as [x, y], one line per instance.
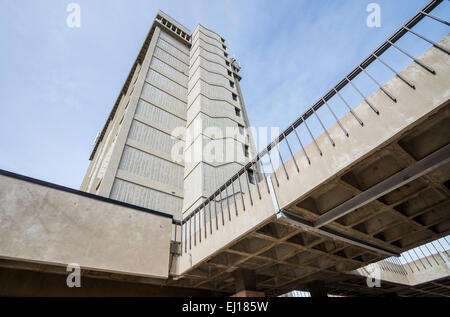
[245, 283]
[317, 289]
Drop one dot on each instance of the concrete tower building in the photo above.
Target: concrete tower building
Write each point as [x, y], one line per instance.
[178, 129]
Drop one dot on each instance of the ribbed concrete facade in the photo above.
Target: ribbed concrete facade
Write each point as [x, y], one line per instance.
[213, 151]
[178, 129]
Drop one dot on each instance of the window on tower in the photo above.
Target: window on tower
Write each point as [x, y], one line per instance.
[246, 151]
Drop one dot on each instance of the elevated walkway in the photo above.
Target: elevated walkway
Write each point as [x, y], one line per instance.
[340, 202]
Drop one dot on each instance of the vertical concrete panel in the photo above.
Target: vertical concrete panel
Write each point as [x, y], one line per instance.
[152, 137]
[170, 72]
[146, 197]
[162, 117]
[153, 167]
[167, 45]
[163, 100]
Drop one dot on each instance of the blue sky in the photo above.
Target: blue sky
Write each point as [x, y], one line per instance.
[58, 84]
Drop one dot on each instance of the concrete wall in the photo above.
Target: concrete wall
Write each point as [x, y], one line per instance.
[41, 224]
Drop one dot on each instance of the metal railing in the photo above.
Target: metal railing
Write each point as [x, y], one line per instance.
[296, 294]
[418, 259]
[425, 256]
[193, 225]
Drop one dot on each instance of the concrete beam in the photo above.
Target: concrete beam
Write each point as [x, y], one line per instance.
[416, 170]
[307, 225]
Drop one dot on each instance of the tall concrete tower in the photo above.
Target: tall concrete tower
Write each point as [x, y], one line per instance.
[178, 129]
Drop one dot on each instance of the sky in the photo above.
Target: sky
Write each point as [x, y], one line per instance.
[58, 84]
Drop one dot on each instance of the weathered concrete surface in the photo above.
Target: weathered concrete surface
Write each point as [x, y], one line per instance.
[45, 225]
